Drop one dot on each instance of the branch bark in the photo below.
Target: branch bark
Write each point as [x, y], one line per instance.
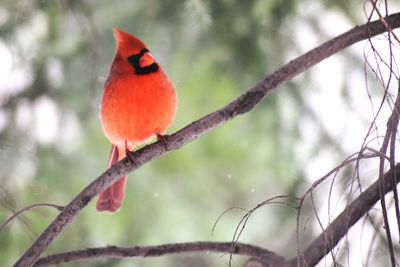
[241, 105]
[156, 251]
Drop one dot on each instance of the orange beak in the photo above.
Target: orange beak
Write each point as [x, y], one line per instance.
[146, 60]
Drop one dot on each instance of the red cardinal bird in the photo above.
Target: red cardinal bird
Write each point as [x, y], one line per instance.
[139, 102]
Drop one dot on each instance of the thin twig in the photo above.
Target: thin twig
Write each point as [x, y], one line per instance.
[222, 214]
[243, 221]
[16, 214]
[390, 135]
[389, 138]
[329, 238]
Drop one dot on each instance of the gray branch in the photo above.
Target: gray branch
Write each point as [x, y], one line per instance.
[156, 251]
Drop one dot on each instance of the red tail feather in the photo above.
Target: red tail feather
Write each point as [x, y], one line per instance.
[111, 199]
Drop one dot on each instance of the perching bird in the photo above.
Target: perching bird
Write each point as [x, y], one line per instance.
[139, 102]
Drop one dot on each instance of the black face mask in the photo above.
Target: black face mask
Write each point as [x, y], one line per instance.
[134, 60]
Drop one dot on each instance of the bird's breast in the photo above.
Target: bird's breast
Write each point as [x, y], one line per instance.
[134, 108]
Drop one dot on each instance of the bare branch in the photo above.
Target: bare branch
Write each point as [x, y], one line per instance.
[327, 240]
[391, 129]
[155, 251]
[241, 105]
[389, 139]
[243, 222]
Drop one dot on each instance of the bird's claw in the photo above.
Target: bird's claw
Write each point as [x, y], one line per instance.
[130, 154]
[163, 140]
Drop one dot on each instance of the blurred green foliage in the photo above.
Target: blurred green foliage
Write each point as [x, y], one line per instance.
[212, 51]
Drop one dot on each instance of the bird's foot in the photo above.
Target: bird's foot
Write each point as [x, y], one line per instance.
[130, 155]
[163, 139]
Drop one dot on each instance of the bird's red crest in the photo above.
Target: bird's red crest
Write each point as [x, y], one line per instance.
[128, 43]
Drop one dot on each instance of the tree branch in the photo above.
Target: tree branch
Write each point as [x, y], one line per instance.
[156, 251]
[241, 105]
[336, 230]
